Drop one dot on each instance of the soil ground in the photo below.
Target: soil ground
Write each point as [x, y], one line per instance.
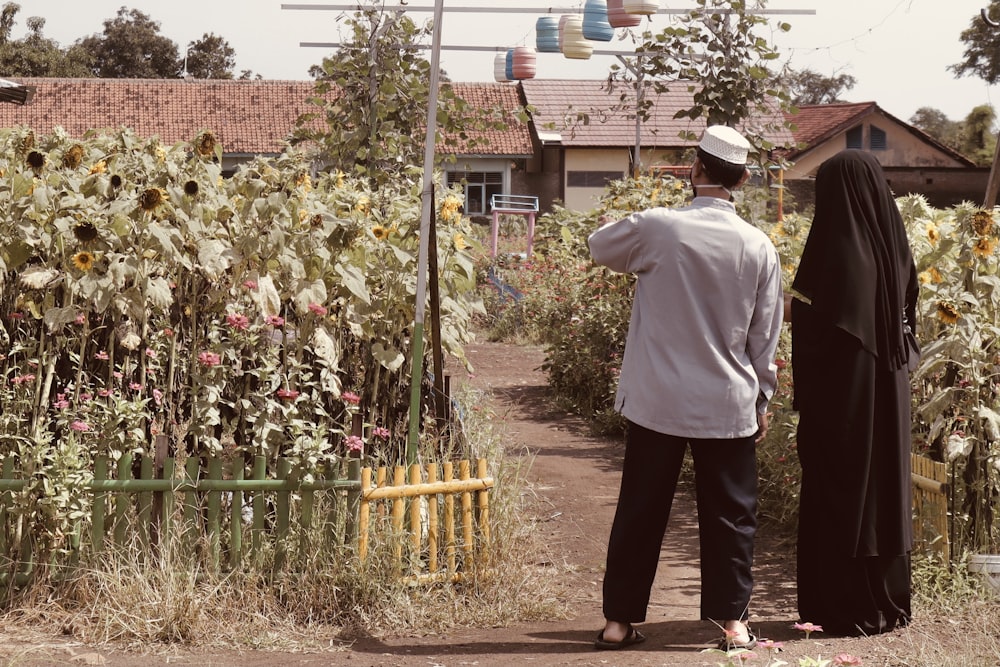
[575, 477]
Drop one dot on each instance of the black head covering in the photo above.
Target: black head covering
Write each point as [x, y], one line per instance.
[857, 266]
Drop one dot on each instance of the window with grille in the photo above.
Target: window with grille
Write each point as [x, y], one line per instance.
[855, 136]
[878, 140]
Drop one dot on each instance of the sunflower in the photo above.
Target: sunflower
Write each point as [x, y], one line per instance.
[191, 188]
[205, 144]
[28, 142]
[982, 222]
[73, 157]
[459, 241]
[363, 205]
[380, 232]
[984, 246]
[947, 312]
[99, 168]
[150, 199]
[85, 232]
[303, 181]
[83, 260]
[936, 276]
[933, 235]
[36, 160]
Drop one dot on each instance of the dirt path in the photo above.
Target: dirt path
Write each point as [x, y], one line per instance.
[576, 479]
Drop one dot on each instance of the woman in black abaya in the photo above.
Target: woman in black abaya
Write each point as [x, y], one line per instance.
[854, 293]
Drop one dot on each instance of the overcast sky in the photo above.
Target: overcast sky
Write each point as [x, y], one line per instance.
[898, 50]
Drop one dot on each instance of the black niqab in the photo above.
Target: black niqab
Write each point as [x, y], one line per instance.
[856, 265]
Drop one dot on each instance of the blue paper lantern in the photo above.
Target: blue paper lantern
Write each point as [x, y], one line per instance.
[509, 65]
[595, 21]
[547, 34]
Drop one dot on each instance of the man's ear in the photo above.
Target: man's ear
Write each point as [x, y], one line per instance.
[744, 177]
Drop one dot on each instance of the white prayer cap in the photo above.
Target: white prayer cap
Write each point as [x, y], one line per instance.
[725, 143]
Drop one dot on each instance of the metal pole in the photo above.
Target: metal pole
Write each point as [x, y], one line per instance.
[417, 362]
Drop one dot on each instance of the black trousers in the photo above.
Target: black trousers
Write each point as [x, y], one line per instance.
[726, 495]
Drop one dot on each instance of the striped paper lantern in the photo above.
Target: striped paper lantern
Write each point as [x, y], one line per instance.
[643, 7]
[595, 21]
[547, 34]
[509, 64]
[575, 45]
[524, 63]
[500, 67]
[618, 18]
[562, 29]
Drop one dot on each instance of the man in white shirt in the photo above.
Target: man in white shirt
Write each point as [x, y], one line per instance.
[698, 370]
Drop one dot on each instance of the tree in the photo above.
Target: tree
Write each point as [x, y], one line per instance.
[210, 57]
[716, 53]
[131, 46]
[372, 95]
[809, 87]
[977, 139]
[35, 54]
[935, 123]
[982, 48]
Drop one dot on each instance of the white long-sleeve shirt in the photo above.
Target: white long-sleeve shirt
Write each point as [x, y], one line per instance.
[699, 357]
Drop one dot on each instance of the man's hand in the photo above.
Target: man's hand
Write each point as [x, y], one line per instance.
[761, 427]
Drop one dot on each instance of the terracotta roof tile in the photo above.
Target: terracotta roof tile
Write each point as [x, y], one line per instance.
[561, 104]
[515, 139]
[248, 117]
[816, 122]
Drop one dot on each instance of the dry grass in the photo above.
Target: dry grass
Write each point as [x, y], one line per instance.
[126, 600]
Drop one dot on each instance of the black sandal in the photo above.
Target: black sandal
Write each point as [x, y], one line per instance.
[632, 637]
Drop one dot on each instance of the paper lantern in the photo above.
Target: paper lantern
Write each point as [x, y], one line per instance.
[547, 34]
[500, 67]
[595, 21]
[575, 45]
[562, 29]
[645, 7]
[524, 63]
[509, 65]
[618, 18]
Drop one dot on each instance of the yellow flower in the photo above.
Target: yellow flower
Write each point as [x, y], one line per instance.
[363, 204]
[303, 214]
[982, 222]
[150, 199]
[947, 312]
[380, 232]
[933, 235]
[984, 246]
[83, 260]
[73, 157]
[99, 168]
[936, 276]
[340, 179]
[459, 241]
[303, 181]
[205, 144]
[161, 154]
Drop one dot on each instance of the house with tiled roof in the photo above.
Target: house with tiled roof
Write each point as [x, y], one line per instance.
[587, 134]
[253, 118]
[914, 161]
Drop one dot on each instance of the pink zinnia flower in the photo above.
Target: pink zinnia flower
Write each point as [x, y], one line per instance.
[354, 443]
[287, 394]
[104, 393]
[250, 284]
[350, 397]
[118, 375]
[85, 397]
[158, 397]
[135, 386]
[80, 426]
[317, 309]
[846, 660]
[237, 321]
[21, 379]
[168, 332]
[209, 359]
[102, 355]
[275, 321]
[808, 628]
[380, 432]
[80, 318]
[769, 644]
[60, 403]
[151, 353]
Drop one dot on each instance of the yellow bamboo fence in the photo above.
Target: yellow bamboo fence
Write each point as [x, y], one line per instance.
[419, 503]
[930, 504]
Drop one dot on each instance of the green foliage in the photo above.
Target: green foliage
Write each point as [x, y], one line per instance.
[131, 47]
[372, 96]
[35, 54]
[976, 139]
[210, 57]
[935, 123]
[982, 48]
[715, 51]
[810, 87]
[144, 294]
